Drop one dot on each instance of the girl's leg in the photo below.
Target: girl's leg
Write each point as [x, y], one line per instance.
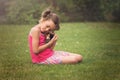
[77, 56]
[61, 57]
[71, 59]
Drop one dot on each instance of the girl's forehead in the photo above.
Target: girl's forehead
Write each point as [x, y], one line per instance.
[51, 22]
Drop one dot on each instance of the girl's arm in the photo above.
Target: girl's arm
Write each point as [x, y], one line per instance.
[35, 42]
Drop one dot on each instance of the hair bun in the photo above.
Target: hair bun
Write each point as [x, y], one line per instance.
[46, 13]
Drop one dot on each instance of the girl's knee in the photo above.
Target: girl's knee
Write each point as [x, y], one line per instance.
[72, 59]
[79, 58]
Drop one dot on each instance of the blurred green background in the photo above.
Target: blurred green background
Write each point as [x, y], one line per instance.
[28, 11]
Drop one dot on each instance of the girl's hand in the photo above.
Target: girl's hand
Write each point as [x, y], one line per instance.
[53, 40]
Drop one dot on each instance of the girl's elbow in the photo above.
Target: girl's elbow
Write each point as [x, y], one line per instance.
[35, 51]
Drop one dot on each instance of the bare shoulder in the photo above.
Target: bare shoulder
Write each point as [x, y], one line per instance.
[35, 30]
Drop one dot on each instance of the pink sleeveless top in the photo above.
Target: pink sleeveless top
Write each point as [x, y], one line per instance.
[37, 58]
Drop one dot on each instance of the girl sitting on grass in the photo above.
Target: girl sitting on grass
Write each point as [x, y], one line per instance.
[41, 49]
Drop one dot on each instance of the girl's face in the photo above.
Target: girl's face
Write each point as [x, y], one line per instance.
[47, 26]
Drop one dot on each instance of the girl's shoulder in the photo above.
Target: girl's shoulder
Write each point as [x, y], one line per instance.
[35, 30]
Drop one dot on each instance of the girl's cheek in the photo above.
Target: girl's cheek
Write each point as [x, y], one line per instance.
[42, 29]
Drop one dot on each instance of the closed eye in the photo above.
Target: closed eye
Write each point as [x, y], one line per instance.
[47, 26]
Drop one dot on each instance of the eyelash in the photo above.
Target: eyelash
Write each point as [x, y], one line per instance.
[47, 26]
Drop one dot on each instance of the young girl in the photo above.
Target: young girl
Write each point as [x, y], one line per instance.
[41, 49]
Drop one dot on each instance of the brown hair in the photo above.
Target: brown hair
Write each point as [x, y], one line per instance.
[47, 15]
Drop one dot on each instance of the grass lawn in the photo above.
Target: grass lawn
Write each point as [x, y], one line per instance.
[98, 43]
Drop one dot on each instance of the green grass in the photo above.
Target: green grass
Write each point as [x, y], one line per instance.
[98, 43]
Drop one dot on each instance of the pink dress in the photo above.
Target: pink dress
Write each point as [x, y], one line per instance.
[42, 56]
